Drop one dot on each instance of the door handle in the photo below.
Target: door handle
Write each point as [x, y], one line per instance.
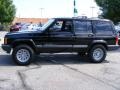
[90, 35]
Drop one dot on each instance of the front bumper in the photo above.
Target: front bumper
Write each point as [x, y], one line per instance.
[113, 47]
[6, 48]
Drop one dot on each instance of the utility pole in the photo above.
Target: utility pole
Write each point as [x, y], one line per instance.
[41, 13]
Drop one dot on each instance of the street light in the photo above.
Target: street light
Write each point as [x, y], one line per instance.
[92, 8]
[41, 13]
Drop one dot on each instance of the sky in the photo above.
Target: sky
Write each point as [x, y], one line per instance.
[54, 8]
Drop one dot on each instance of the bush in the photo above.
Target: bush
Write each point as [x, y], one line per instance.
[4, 27]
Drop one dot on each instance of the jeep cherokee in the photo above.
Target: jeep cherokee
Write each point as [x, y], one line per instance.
[90, 37]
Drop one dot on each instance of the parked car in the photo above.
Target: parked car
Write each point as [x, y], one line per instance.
[15, 27]
[89, 37]
[33, 26]
[118, 33]
[117, 28]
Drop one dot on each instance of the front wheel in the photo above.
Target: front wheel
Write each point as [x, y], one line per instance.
[23, 54]
[97, 54]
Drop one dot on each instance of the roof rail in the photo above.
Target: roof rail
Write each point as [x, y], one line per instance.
[80, 17]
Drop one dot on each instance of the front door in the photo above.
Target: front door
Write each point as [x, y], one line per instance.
[60, 37]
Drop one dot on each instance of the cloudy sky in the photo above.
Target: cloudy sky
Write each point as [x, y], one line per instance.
[54, 8]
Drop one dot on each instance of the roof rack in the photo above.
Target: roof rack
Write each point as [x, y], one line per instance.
[80, 17]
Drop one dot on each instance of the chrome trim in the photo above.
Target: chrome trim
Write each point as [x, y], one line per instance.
[39, 46]
[54, 46]
[62, 46]
[113, 45]
[80, 46]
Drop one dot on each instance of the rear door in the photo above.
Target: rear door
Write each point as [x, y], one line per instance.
[83, 33]
[104, 31]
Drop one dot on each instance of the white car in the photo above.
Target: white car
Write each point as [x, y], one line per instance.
[29, 26]
[117, 28]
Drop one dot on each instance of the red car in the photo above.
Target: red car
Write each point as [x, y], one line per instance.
[15, 27]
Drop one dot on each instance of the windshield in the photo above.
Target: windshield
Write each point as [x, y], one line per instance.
[47, 24]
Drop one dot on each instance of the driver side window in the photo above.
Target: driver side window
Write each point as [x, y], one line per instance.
[57, 26]
[61, 26]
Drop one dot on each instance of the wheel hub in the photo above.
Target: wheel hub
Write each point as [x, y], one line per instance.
[98, 54]
[23, 55]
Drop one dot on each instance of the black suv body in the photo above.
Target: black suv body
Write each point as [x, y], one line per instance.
[90, 37]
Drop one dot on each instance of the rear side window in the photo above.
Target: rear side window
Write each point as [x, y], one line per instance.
[82, 26]
[103, 27]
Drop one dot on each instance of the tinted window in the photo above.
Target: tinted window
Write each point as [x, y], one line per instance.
[103, 27]
[82, 26]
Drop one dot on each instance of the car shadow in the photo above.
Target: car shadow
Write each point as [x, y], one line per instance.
[49, 59]
[6, 60]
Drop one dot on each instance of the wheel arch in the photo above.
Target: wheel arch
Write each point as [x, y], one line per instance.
[24, 42]
[98, 42]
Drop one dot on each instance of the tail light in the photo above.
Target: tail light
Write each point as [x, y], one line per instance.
[117, 40]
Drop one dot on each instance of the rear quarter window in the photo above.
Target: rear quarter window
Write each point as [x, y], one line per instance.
[103, 27]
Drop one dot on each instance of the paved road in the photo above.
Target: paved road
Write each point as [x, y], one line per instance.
[60, 72]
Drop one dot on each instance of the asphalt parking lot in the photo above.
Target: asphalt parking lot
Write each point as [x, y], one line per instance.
[60, 72]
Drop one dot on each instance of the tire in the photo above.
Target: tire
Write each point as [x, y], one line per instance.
[97, 54]
[23, 55]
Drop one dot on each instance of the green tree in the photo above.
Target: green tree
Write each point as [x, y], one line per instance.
[7, 11]
[110, 9]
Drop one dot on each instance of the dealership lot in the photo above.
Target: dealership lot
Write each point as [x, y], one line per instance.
[60, 72]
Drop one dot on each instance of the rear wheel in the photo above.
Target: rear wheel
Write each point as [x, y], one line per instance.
[97, 54]
[23, 55]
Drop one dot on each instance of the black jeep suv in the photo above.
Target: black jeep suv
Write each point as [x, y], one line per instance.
[90, 37]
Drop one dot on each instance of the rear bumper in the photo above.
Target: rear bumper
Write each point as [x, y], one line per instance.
[6, 48]
[113, 47]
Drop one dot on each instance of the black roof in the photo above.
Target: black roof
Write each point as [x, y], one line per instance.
[75, 18]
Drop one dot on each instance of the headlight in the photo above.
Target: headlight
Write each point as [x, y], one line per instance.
[5, 40]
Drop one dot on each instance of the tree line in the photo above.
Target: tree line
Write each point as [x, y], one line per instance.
[110, 9]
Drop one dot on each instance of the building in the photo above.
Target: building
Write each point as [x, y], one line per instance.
[29, 20]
